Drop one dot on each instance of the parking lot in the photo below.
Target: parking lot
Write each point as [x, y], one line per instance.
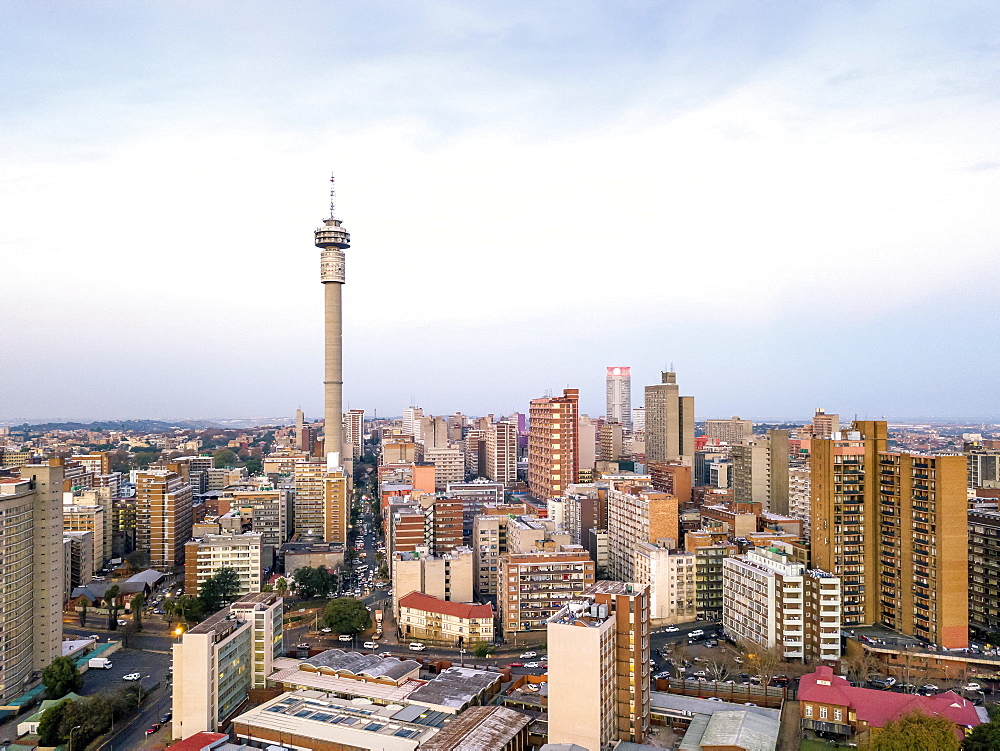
[151, 665]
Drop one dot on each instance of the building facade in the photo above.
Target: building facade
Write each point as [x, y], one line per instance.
[163, 516]
[637, 514]
[536, 585]
[429, 619]
[206, 556]
[669, 422]
[619, 402]
[553, 444]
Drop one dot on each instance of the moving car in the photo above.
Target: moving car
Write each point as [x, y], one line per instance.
[532, 664]
[132, 677]
[345, 637]
[529, 655]
[166, 718]
[417, 647]
[370, 645]
[972, 686]
[671, 629]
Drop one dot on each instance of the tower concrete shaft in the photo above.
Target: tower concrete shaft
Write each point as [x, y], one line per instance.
[333, 239]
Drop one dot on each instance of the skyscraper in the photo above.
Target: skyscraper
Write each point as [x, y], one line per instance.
[553, 444]
[333, 239]
[669, 422]
[163, 516]
[619, 397]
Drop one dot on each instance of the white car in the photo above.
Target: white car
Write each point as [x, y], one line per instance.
[345, 637]
[972, 687]
[529, 655]
[671, 629]
[371, 645]
[132, 677]
[417, 647]
[532, 664]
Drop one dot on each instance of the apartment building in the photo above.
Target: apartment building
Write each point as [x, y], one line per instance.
[733, 430]
[598, 674]
[637, 514]
[894, 528]
[527, 534]
[448, 576]
[430, 619]
[670, 575]
[553, 444]
[501, 453]
[760, 471]
[217, 662]
[536, 585]
[78, 555]
[984, 570]
[90, 518]
[269, 512]
[163, 516]
[31, 558]
[444, 524]
[779, 604]
[321, 504]
[354, 432]
[206, 556]
[449, 465]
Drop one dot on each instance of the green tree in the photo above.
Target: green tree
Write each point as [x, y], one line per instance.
[313, 582]
[61, 677]
[189, 608]
[138, 559]
[916, 731]
[254, 466]
[137, 604]
[111, 603]
[48, 726]
[220, 590]
[281, 586]
[984, 737]
[483, 649]
[225, 458]
[83, 612]
[346, 615]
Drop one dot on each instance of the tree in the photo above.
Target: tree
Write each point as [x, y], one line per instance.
[719, 666]
[225, 458]
[61, 677]
[983, 738]
[281, 586]
[916, 731]
[83, 612]
[111, 603]
[189, 608]
[861, 666]
[48, 726]
[137, 604]
[764, 661]
[313, 582]
[346, 615]
[138, 559]
[127, 632]
[483, 649]
[220, 590]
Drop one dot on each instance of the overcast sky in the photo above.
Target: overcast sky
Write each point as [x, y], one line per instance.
[794, 203]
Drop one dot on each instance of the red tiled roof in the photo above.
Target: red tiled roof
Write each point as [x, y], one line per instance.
[878, 708]
[199, 741]
[420, 601]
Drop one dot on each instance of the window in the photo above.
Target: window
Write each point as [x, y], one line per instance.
[809, 710]
[822, 713]
[838, 715]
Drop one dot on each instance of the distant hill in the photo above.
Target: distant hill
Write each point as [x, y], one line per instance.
[154, 426]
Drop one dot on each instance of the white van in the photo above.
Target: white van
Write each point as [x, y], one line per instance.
[99, 662]
[417, 647]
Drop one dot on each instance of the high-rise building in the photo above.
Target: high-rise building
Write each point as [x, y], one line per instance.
[771, 600]
[163, 516]
[448, 576]
[333, 239]
[449, 466]
[734, 430]
[894, 528]
[669, 422]
[612, 435]
[354, 431]
[670, 575]
[321, 504]
[31, 554]
[638, 420]
[760, 471]
[411, 419]
[824, 425]
[619, 407]
[220, 660]
[531, 587]
[501, 452]
[553, 447]
[637, 514]
[983, 467]
[598, 668]
[206, 556]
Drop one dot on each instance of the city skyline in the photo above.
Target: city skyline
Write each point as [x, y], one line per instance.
[792, 175]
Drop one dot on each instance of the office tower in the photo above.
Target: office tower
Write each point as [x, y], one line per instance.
[598, 669]
[894, 528]
[475, 452]
[31, 552]
[637, 514]
[354, 428]
[501, 453]
[411, 418]
[638, 420]
[334, 240]
[553, 447]
[219, 661]
[536, 585]
[619, 407]
[300, 422]
[771, 600]
[672, 478]
[163, 516]
[734, 430]
[206, 556]
[760, 471]
[669, 422]
[983, 467]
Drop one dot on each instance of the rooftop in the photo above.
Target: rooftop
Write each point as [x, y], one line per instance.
[455, 687]
[478, 728]
[421, 601]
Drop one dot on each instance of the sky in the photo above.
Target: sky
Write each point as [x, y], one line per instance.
[794, 204]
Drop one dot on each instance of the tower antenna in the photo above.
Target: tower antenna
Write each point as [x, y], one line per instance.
[333, 197]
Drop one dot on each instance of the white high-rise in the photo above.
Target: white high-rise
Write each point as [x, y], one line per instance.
[619, 407]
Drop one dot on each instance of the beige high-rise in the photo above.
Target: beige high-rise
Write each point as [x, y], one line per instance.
[31, 556]
[669, 422]
[162, 516]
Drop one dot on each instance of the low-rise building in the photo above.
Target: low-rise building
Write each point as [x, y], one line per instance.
[428, 619]
[206, 556]
[448, 576]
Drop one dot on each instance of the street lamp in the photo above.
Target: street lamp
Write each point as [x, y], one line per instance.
[75, 727]
[179, 632]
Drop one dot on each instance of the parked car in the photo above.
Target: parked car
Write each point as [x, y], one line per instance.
[152, 728]
[696, 633]
[166, 718]
[132, 677]
[929, 688]
[417, 647]
[516, 665]
[122, 622]
[345, 637]
[972, 686]
[370, 645]
[532, 664]
[529, 655]
[671, 629]
[715, 698]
